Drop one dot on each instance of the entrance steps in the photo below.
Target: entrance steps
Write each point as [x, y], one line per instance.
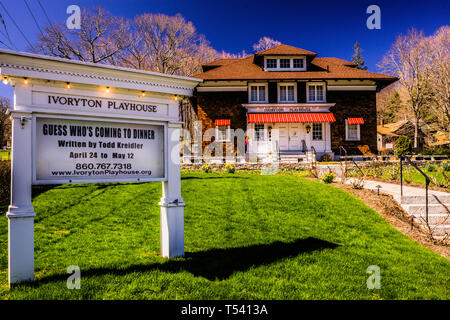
[438, 211]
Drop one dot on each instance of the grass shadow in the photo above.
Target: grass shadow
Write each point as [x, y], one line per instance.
[214, 264]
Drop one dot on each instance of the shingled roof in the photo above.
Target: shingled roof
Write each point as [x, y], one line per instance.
[320, 68]
[283, 49]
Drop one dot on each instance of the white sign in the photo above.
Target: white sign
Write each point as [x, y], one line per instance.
[89, 151]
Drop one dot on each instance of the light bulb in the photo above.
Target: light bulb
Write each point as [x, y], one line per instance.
[25, 80]
[68, 85]
[143, 93]
[5, 80]
[107, 89]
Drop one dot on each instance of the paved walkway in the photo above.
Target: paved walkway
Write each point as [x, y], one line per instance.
[394, 189]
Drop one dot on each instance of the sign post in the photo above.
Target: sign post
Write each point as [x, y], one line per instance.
[77, 122]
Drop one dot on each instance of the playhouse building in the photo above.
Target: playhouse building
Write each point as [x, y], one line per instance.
[290, 102]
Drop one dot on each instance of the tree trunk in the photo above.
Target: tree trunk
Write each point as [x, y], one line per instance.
[416, 134]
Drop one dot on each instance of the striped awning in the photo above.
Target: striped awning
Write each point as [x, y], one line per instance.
[290, 117]
[355, 121]
[222, 122]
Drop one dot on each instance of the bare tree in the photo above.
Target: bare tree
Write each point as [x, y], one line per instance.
[5, 122]
[100, 37]
[265, 43]
[407, 59]
[439, 77]
[172, 43]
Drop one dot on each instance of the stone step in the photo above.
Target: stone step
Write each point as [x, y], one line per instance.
[417, 209]
[419, 199]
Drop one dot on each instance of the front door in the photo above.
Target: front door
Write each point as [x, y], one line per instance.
[283, 136]
[294, 136]
[290, 136]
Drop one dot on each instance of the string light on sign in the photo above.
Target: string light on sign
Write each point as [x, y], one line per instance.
[143, 93]
[5, 80]
[68, 85]
[25, 80]
[107, 90]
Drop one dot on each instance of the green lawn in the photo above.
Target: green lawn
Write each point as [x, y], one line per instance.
[5, 155]
[247, 237]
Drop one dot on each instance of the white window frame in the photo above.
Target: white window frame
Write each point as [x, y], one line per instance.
[358, 132]
[227, 135]
[277, 63]
[291, 63]
[266, 91]
[310, 84]
[287, 84]
[321, 129]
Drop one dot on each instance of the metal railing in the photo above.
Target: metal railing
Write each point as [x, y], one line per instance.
[341, 148]
[427, 181]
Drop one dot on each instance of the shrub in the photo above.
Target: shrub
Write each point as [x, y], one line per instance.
[430, 167]
[437, 151]
[365, 150]
[5, 181]
[328, 177]
[230, 168]
[327, 157]
[206, 168]
[445, 166]
[402, 145]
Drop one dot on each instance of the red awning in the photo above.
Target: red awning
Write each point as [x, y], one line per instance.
[355, 121]
[290, 117]
[222, 122]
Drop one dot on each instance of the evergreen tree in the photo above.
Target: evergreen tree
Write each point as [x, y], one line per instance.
[390, 113]
[357, 57]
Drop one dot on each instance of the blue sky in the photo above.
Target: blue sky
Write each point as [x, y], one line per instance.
[327, 27]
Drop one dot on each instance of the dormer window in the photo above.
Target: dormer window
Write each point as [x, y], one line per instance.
[271, 63]
[286, 63]
[298, 63]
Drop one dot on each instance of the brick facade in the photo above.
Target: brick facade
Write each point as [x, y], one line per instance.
[353, 104]
[349, 104]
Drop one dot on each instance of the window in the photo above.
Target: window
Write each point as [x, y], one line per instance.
[352, 131]
[259, 131]
[285, 63]
[271, 63]
[317, 131]
[287, 93]
[223, 133]
[316, 93]
[298, 63]
[258, 93]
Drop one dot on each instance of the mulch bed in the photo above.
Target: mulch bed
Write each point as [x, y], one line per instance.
[393, 213]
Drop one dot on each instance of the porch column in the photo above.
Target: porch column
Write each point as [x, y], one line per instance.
[327, 137]
[20, 212]
[172, 204]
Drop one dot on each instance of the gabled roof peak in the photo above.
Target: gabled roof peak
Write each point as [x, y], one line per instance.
[284, 49]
